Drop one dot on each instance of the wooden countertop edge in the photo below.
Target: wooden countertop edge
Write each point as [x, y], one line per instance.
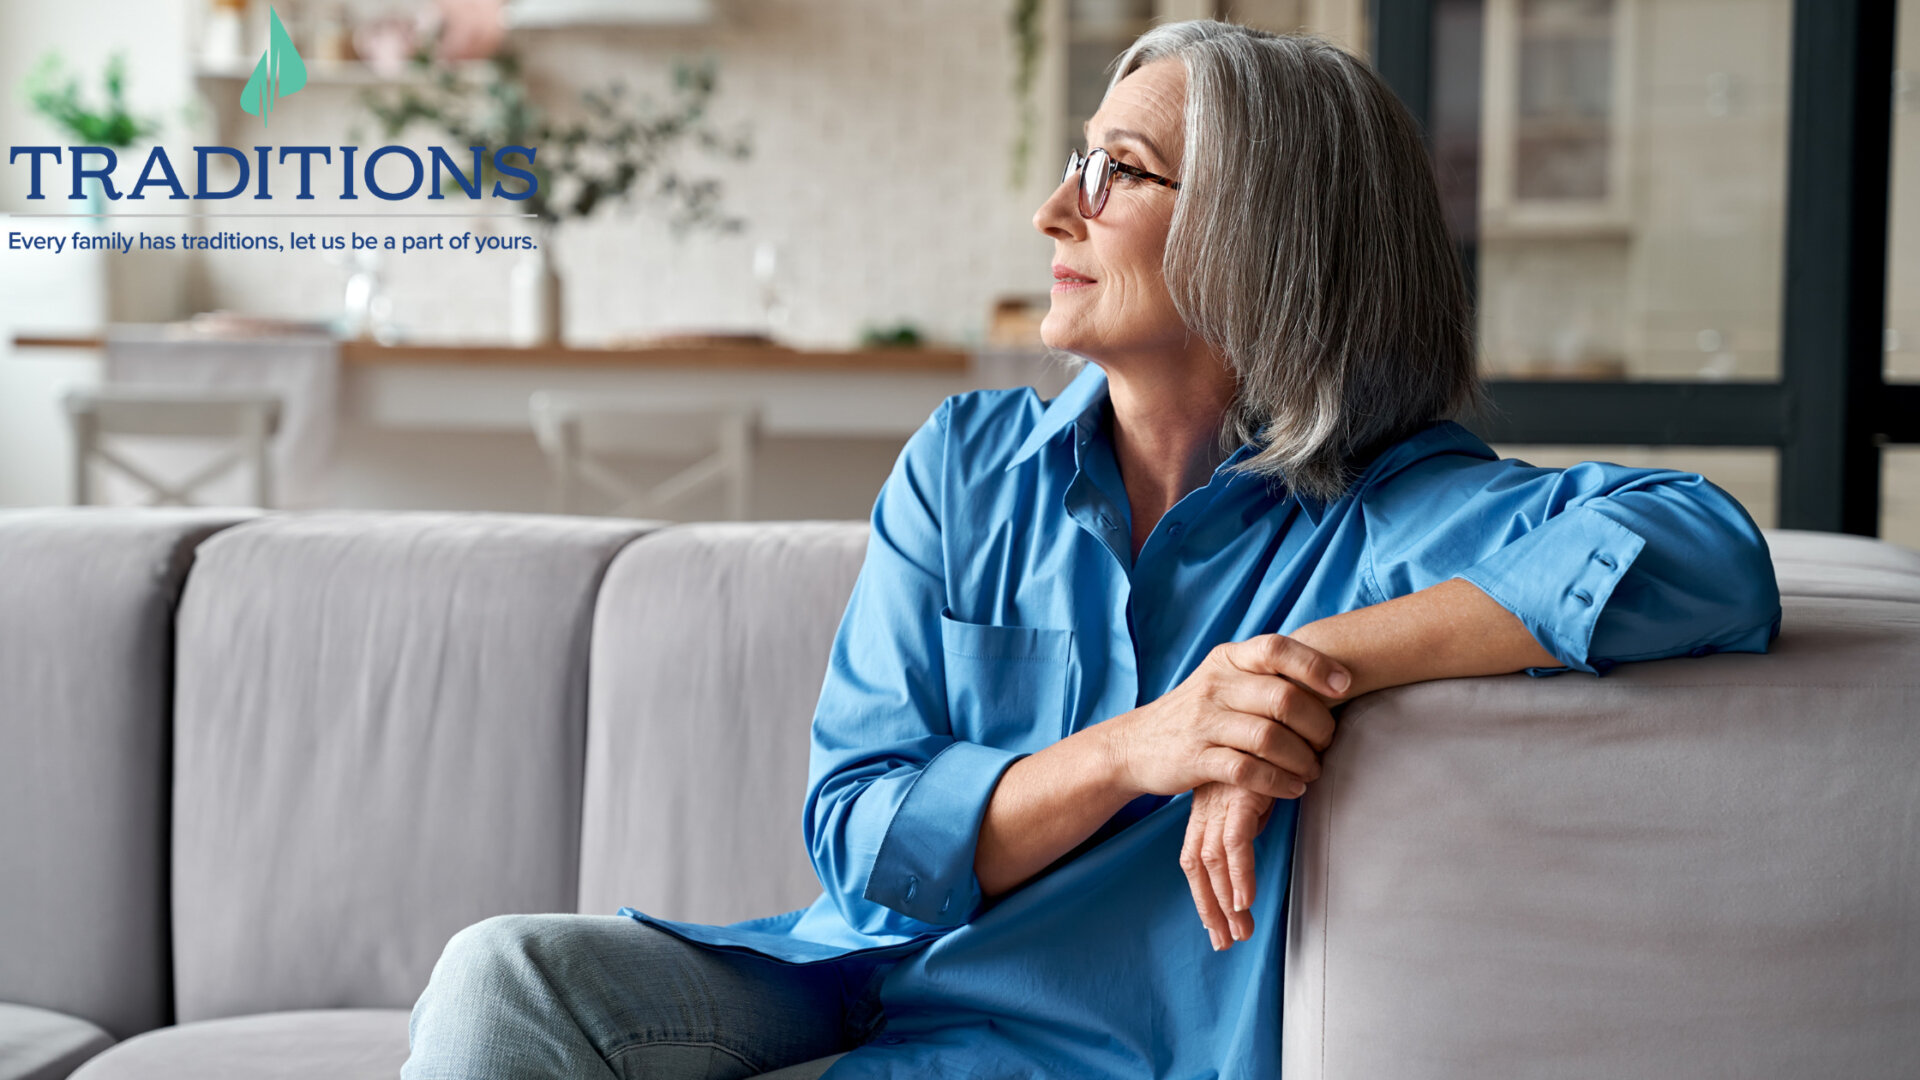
[703, 357]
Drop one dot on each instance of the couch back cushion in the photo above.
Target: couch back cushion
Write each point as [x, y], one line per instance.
[1690, 867]
[710, 646]
[87, 600]
[380, 722]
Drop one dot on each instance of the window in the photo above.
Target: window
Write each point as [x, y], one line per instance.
[1671, 214]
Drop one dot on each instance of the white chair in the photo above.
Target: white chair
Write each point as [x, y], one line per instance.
[252, 417]
[578, 431]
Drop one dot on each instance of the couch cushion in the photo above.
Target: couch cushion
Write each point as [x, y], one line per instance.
[87, 599]
[709, 649]
[39, 1044]
[1691, 867]
[324, 1044]
[321, 1044]
[380, 721]
[1829, 564]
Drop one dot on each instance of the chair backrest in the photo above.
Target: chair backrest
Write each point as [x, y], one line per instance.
[164, 411]
[580, 434]
[1690, 867]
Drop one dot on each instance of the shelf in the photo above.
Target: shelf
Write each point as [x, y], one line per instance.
[927, 360]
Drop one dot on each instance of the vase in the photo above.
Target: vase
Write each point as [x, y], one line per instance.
[534, 293]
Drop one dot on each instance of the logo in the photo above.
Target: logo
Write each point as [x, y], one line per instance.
[279, 73]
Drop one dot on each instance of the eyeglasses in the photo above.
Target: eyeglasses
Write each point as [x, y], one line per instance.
[1096, 171]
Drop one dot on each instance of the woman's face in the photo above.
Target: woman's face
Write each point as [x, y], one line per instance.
[1125, 311]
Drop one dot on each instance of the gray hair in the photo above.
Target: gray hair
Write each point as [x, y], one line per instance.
[1308, 247]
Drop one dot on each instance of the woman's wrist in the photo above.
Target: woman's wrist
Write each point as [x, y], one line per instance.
[1045, 804]
[1108, 742]
[1325, 637]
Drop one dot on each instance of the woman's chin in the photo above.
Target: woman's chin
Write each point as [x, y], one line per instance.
[1056, 334]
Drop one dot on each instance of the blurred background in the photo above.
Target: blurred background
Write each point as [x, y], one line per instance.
[773, 234]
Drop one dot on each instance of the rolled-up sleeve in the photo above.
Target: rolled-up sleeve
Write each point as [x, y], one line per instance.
[894, 800]
[1603, 563]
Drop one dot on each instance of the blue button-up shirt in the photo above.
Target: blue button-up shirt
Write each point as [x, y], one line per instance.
[1000, 608]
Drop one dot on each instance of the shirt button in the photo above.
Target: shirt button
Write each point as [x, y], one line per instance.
[913, 886]
[1583, 596]
[945, 904]
[892, 1040]
[1175, 529]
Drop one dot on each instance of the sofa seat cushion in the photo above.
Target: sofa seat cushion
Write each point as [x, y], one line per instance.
[40, 1044]
[318, 1044]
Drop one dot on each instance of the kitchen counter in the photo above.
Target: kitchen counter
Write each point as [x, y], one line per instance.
[726, 356]
[800, 392]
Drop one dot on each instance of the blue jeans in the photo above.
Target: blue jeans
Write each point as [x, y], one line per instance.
[597, 997]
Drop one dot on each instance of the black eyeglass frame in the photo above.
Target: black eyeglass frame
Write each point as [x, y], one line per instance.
[1077, 162]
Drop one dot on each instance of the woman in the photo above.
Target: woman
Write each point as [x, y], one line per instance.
[1092, 656]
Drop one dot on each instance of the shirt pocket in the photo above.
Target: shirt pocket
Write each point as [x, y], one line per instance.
[1006, 685]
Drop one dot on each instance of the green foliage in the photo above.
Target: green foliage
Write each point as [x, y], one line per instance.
[617, 149]
[900, 336]
[1024, 21]
[55, 95]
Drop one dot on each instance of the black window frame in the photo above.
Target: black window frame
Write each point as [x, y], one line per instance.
[1829, 420]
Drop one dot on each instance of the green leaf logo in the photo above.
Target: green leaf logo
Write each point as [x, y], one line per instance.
[279, 73]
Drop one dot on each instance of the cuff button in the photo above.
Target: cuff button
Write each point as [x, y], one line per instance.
[1583, 596]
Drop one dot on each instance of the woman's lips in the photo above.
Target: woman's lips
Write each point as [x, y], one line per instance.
[1066, 278]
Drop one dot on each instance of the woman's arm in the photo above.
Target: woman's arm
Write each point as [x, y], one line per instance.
[1446, 631]
[1250, 714]
[892, 794]
[1498, 566]
[1045, 805]
[1451, 630]
[1603, 563]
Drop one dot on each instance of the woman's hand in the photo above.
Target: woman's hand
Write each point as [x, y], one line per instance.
[1243, 717]
[1222, 824]
[1218, 857]
[1246, 727]
[1226, 817]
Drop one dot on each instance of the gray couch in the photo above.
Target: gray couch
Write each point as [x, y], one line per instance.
[255, 769]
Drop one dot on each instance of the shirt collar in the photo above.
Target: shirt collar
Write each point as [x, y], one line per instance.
[1079, 403]
[1078, 406]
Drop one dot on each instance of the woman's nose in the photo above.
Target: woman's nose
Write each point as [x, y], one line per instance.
[1059, 217]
